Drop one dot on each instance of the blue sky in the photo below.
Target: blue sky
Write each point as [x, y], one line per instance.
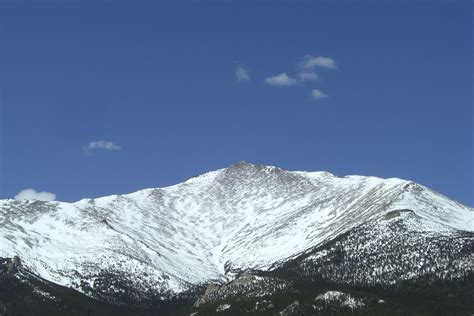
[100, 98]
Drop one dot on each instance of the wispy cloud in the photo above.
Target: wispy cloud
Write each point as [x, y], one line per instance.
[242, 73]
[281, 80]
[31, 194]
[317, 94]
[307, 76]
[102, 145]
[310, 62]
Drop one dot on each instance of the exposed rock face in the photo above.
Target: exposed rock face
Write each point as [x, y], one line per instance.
[209, 289]
[397, 213]
[243, 279]
[10, 266]
[244, 286]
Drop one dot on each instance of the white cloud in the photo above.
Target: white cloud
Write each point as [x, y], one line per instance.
[317, 94]
[306, 76]
[102, 145]
[309, 62]
[242, 73]
[281, 80]
[31, 194]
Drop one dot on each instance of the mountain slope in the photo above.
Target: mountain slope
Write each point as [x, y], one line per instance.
[165, 241]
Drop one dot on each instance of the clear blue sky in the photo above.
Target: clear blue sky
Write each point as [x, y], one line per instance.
[158, 81]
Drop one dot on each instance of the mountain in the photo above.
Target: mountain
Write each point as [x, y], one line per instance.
[238, 240]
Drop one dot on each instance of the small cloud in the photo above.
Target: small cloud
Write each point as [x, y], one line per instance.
[309, 62]
[307, 76]
[317, 94]
[31, 194]
[102, 145]
[242, 73]
[281, 80]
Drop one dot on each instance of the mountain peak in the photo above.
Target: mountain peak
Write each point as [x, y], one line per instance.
[245, 165]
[199, 230]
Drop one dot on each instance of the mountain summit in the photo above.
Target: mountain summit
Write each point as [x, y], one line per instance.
[160, 243]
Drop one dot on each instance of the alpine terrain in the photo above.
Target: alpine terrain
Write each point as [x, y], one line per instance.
[244, 240]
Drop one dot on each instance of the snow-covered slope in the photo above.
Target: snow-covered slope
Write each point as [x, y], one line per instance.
[244, 216]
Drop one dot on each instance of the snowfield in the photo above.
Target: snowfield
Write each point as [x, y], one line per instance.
[204, 229]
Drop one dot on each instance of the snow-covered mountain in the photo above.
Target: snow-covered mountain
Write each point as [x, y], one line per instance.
[210, 227]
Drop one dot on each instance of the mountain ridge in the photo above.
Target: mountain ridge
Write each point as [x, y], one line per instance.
[210, 228]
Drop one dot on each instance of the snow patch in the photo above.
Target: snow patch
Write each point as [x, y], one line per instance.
[341, 298]
[222, 307]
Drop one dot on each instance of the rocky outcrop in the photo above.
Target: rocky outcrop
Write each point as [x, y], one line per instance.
[246, 285]
[339, 298]
[10, 265]
[398, 213]
[210, 288]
